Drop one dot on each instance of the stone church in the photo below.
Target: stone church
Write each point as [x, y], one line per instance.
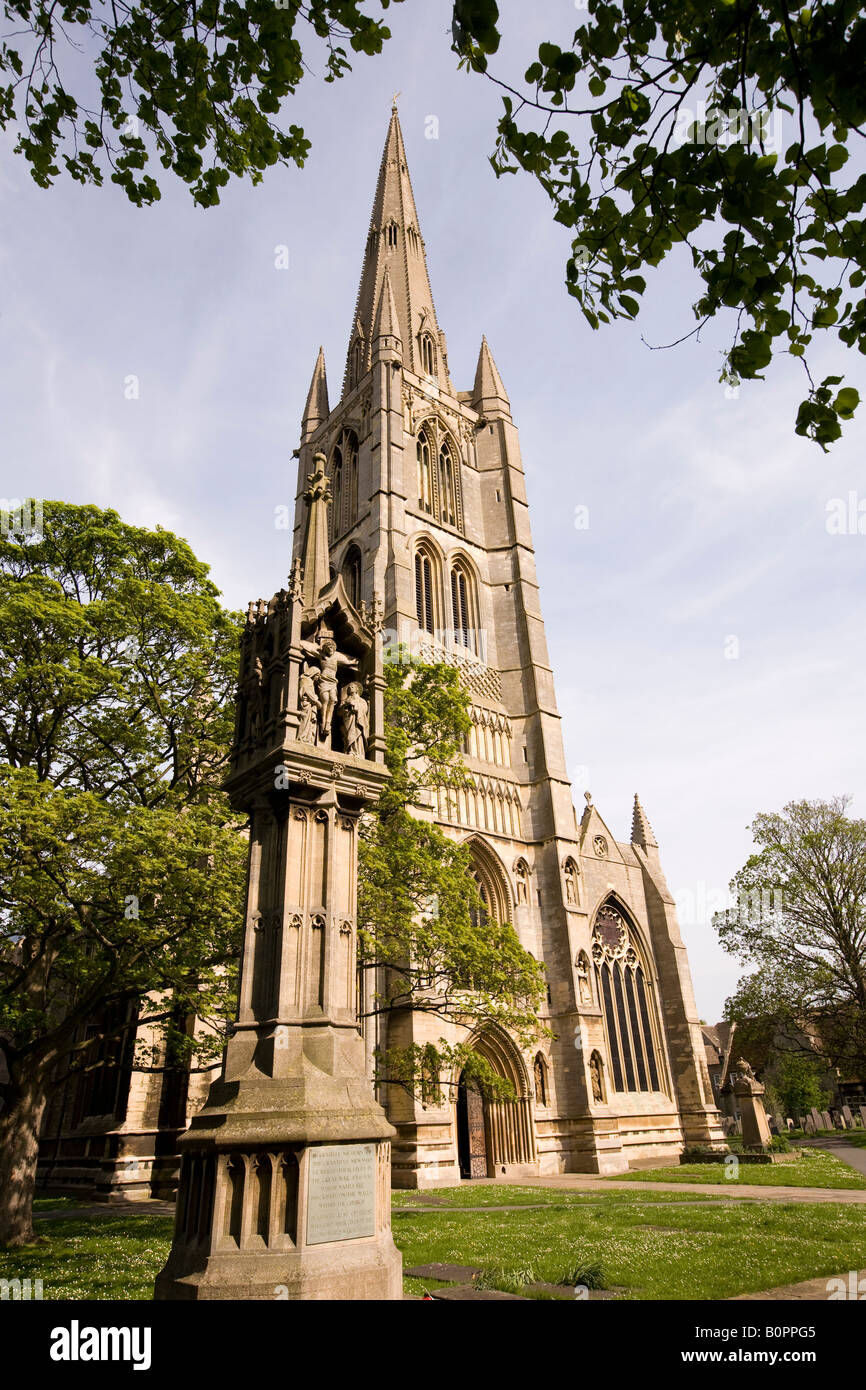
[429, 516]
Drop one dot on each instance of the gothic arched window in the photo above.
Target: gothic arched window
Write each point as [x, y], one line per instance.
[356, 357]
[428, 355]
[344, 484]
[391, 234]
[627, 999]
[426, 585]
[438, 474]
[447, 485]
[350, 452]
[337, 492]
[491, 881]
[351, 572]
[425, 474]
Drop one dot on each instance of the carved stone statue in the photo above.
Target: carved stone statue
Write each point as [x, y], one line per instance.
[257, 701]
[585, 991]
[355, 719]
[595, 1074]
[309, 704]
[330, 660]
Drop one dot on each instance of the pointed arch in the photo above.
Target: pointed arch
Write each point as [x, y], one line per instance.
[570, 875]
[449, 509]
[427, 353]
[494, 1044]
[427, 572]
[539, 1076]
[351, 573]
[463, 587]
[584, 982]
[343, 472]
[424, 472]
[356, 362]
[489, 873]
[336, 470]
[521, 879]
[626, 990]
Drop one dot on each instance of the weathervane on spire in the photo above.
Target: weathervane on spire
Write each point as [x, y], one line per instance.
[394, 100]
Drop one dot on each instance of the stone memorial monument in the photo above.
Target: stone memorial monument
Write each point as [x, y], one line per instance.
[748, 1092]
[285, 1173]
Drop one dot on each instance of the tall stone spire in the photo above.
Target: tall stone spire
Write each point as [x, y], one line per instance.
[315, 558]
[395, 245]
[316, 410]
[489, 396]
[641, 830]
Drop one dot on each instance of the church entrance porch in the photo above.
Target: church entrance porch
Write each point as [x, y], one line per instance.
[495, 1138]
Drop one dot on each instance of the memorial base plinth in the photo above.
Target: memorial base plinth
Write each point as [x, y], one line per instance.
[285, 1193]
[349, 1270]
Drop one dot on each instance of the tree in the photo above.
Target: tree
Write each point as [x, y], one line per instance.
[121, 872]
[798, 1083]
[720, 127]
[800, 922]
[426, 942]
[197, 84]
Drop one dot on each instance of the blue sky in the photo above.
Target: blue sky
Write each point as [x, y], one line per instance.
[705, 629]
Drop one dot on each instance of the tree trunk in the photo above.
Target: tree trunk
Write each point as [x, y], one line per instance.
[20, 1124]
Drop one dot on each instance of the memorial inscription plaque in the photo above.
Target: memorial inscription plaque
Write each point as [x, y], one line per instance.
[341, 1201]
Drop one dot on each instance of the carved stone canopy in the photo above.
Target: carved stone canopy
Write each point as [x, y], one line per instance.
[334, 611]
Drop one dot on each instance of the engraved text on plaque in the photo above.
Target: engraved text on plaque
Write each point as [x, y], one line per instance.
[341, 1201]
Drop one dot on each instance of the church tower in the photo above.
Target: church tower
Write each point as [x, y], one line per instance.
[430, 512]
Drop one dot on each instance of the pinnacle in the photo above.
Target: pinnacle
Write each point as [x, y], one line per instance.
[641, 830]
[316, 409]
[489, 396]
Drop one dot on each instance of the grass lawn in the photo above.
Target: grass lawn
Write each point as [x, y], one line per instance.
[815, 1168]
[668, 1246]
[649, 1249]
[502, 1194]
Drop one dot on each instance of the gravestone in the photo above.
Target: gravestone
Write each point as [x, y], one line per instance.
[862, 1109]
[285, 1188]
[780, 1124]
[748, 1092]
[817, 1120]
[826, 1122]
[809, 1125]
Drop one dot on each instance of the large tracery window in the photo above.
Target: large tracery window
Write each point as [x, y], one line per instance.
[438, 475]
[626, 996]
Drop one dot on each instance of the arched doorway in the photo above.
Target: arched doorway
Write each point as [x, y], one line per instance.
[495, 1138]
[471, 1130]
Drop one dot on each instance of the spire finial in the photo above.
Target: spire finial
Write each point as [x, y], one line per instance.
[394, 100]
